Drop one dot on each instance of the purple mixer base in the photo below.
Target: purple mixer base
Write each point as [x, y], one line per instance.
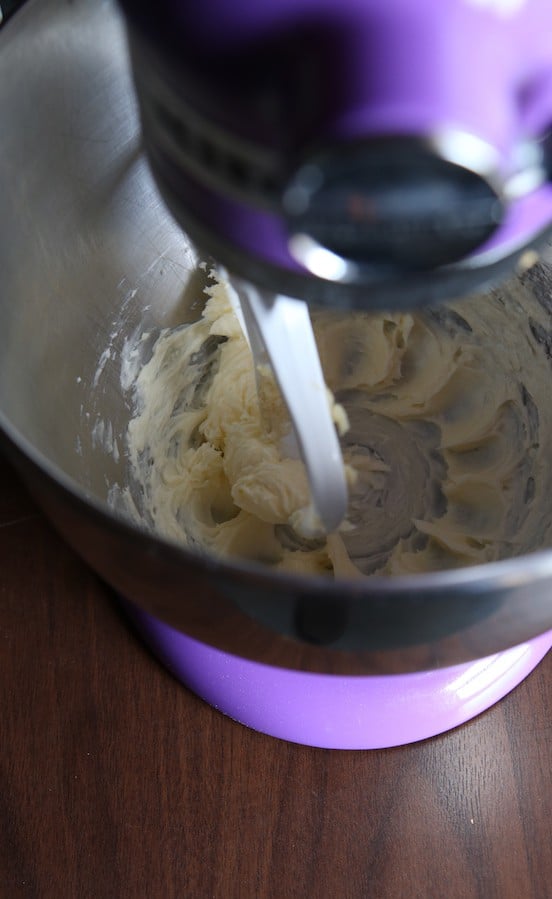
[335, 711]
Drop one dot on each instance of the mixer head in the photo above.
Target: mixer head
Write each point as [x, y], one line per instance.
[353, 153]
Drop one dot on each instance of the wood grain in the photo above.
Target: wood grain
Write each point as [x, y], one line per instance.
[115, 781]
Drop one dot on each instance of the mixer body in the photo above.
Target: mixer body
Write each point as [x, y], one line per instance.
[352, 153]
[91, 258]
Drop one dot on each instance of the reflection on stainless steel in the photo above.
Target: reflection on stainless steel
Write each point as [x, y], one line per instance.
[90, 257]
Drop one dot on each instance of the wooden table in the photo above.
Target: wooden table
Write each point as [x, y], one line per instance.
[118, 782]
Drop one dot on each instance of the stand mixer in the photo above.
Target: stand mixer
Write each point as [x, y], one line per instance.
[347, 155]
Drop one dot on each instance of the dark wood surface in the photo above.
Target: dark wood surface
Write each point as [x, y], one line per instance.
[115, 781]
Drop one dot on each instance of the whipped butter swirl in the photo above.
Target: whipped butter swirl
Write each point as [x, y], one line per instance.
[447, 449]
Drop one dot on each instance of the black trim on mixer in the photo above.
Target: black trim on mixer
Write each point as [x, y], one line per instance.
[7, 9]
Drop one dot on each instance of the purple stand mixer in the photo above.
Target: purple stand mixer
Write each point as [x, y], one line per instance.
[353, 154]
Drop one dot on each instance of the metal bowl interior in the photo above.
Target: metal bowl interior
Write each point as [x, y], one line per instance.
[90, 257]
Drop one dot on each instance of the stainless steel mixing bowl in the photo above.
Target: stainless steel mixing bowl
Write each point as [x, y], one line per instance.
[89, 256]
